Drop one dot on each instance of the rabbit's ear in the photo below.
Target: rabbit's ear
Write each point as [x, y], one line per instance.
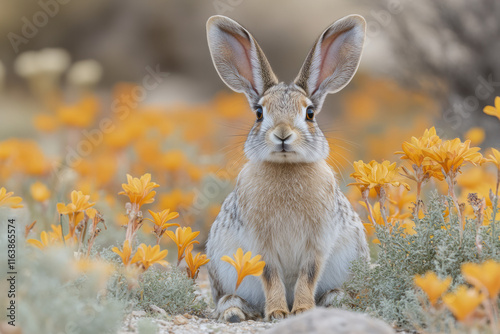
[333, 59]
[239, 60]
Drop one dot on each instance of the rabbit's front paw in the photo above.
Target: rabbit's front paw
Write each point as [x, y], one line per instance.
[301, 309]
[277, 314]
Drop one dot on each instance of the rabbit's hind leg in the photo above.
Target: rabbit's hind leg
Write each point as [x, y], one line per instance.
[233, 308]
[329, 297]
[230, 307]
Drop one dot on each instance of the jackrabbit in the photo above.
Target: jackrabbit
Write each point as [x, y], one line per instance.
[287, 205]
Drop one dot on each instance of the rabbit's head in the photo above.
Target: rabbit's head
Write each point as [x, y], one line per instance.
[285, 128]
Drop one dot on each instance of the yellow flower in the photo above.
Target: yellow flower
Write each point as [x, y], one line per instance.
[81, 114]
[194, 263]
[79, 203]
[413, 150]
[129, 130]
[493, 111]
[161, 218]
[432, 285]
[401, 198]
[245, 265]
[139, 191]
[475, 180]
[51, 238]
[42, 243]
[173, 160]
[475, 135]
[463, 301]
[74, 210]
[486, 275]
[56, 233]
[194, 172]
[147, 256]
[91, 213]
[103, 169]
[375, 175]
[148, 150]
[494, 157]
[394, 215]
[23, 156]
[176, 198]
[39, 192]
[183, 238]
[6, 199]
[45, 122]
[427, 171]
[230, 105]
[125, 253]
[451, 154]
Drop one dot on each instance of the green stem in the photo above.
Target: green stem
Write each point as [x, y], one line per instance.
[62, 232]
[498, 182]
[364, 194]
[493, 224]
[419, 190]
[84, 231]
[381, 199]
[451, 192]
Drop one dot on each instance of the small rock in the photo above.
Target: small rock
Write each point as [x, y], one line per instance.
[321, 320]
[138, 313]
[187, 315]
[162, 322]
[158, 310]
[180, 320]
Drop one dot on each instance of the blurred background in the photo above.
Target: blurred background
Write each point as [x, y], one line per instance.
[93, 90]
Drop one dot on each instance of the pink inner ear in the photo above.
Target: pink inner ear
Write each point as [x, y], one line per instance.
[331, 55]
[238, 51]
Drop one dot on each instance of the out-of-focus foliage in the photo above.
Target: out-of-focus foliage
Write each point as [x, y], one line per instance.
[449, 48]
[55, 293]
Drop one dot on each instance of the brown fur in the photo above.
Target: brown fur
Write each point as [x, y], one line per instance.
[306, 286]
[274, 289]
[296, 191]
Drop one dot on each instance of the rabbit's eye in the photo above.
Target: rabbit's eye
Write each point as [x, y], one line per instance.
[310, 113]
[258, 112]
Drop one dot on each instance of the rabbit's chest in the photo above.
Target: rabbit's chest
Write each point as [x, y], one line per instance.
[287, 208]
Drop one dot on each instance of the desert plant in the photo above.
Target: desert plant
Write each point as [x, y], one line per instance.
[56, 293]
[171, 290]
[386, 287]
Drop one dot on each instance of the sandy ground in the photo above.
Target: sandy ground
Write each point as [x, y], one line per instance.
[191, 324]
[187, 324]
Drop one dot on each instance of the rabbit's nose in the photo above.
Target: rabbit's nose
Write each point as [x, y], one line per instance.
[279, 137]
